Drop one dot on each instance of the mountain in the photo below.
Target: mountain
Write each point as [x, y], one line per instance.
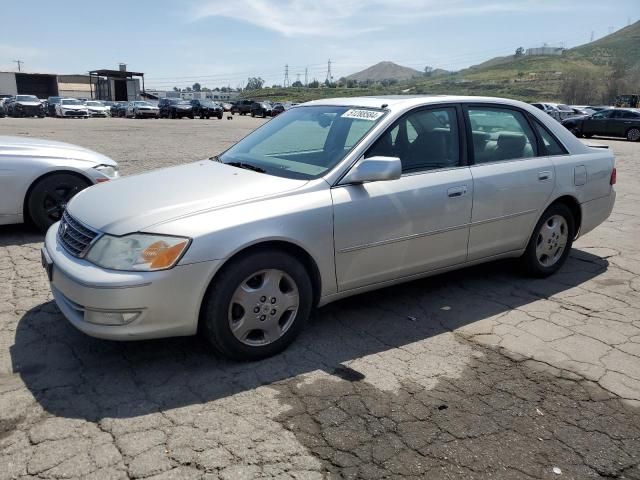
[623, 44]
[385, 71]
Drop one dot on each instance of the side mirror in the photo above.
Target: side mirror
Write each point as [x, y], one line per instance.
[374, 169]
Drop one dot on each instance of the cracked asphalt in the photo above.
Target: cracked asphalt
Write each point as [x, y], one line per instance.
[480, 373]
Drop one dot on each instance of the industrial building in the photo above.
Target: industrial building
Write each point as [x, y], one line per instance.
[103, 84]
[544, 50]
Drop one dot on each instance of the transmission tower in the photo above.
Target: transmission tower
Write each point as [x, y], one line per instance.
[297, 78]
[306, 77]
[285, 84]
[329, 74]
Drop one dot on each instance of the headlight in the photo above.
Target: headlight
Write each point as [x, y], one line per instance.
[108, 170]
[138, 251]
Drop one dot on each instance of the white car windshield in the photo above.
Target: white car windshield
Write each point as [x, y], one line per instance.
[303, 142]
[70, 101]
[27, 98]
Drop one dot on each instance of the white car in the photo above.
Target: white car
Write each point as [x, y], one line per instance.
[70, 107]
[38, 178]
[142, 109]
[97, 108]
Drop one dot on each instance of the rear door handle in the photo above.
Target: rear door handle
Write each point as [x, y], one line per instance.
[457, 191]
[544, 176]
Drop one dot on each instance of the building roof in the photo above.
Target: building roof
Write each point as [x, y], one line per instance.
[115, 73]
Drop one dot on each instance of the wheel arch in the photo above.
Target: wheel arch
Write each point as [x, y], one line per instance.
[572, 203]
[25, 207]
[285, 246]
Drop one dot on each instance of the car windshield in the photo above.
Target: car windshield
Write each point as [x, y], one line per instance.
[304, 142]
[181, 102]
[142, 104]
[27, 98]
[70, 101]
[95, 104]
[208, 104]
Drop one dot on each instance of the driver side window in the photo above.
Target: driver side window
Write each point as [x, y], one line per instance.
[424, 140]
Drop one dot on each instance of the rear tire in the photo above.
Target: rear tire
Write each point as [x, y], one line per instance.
[49, 197]
[550, 243]
[263, 324]
[633, 135]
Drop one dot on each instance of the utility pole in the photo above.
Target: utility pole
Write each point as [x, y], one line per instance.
[306, 76]
[285, 84]
[19, 62]
[329, 75]
[592, 34]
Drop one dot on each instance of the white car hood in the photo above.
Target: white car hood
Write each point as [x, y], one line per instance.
[49, 149]
[73, 107]
[135, 203]
[29, 104]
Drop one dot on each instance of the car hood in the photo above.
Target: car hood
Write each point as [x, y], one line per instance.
[49, 149]
[95, 107]
[28, 104]
[138, 202]
[73, 107]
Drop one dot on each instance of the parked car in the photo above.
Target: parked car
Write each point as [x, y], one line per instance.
[142, 109]
[559, 111]
[615, 122]
[25, 106]
[375, 191]
[241, 107]
[119, 109]
[41, 176]
[226, 106]
[206, 109]
[278, 108]
[261, 109]
[3, 111]
[51, 105]
[71, 107]
[175, 108]
[97, 108]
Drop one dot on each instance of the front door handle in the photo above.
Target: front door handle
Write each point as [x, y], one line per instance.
[544, 176]
[457, 191]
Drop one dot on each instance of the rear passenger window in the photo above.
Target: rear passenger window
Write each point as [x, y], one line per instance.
[423, 140]
[551, 145]
[500, 134]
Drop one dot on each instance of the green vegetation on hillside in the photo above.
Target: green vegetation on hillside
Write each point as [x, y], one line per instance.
[592, 73]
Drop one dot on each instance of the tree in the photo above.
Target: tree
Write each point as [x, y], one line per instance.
[254, 83]
[580, 87]
[351, 83]
[196, 87]
[428, 71]
[176, 89]
[297, 84]
[314, 84]
[519, 52]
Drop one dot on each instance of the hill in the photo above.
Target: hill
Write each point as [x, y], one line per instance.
[622, 45]
[385, 71]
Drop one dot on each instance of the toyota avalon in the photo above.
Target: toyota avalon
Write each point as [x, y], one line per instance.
[329, 199]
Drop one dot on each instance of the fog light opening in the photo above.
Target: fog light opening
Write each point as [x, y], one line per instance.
[110, 318]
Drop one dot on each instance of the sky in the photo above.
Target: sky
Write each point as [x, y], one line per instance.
[223, 42]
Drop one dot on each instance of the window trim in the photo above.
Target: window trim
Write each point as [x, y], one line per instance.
[493, 106]
[462, 151]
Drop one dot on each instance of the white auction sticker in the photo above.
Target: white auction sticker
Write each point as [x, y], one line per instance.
[370, 115]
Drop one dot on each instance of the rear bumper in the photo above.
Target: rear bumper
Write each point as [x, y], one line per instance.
[159, 304]
[594, 212]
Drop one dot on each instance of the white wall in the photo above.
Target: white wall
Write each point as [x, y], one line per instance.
[8, 83]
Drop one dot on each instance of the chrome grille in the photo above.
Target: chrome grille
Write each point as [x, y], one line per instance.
[73, 236]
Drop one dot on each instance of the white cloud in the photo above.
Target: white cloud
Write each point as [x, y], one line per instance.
[345, 18]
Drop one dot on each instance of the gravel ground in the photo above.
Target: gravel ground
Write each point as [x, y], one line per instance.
[474, 374]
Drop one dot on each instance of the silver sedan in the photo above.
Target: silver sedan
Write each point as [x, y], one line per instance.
[38, 178]
[329, 199]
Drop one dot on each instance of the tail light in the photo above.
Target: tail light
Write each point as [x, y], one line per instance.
[614, 176]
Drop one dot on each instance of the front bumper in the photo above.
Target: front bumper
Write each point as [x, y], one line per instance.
[74, 113]
[99, 113]
[161, 304]
[146, 113]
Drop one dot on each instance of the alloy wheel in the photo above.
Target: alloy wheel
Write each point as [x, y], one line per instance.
[552, 240]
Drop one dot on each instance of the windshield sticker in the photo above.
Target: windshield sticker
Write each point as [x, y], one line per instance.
[370, 115]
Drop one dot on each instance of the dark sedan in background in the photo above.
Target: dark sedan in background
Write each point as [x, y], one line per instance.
[206, 109]
[261, 109]
[175, 108]
[614, 122]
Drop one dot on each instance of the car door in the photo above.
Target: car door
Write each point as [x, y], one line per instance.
[597, 124]
[511, 180]
[393, 229]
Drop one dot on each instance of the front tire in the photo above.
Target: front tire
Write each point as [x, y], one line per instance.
[633, 135]
[257, 305]
[550, 243]
[49, 197]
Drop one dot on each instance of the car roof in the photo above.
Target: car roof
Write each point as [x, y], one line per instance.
[401, 102]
